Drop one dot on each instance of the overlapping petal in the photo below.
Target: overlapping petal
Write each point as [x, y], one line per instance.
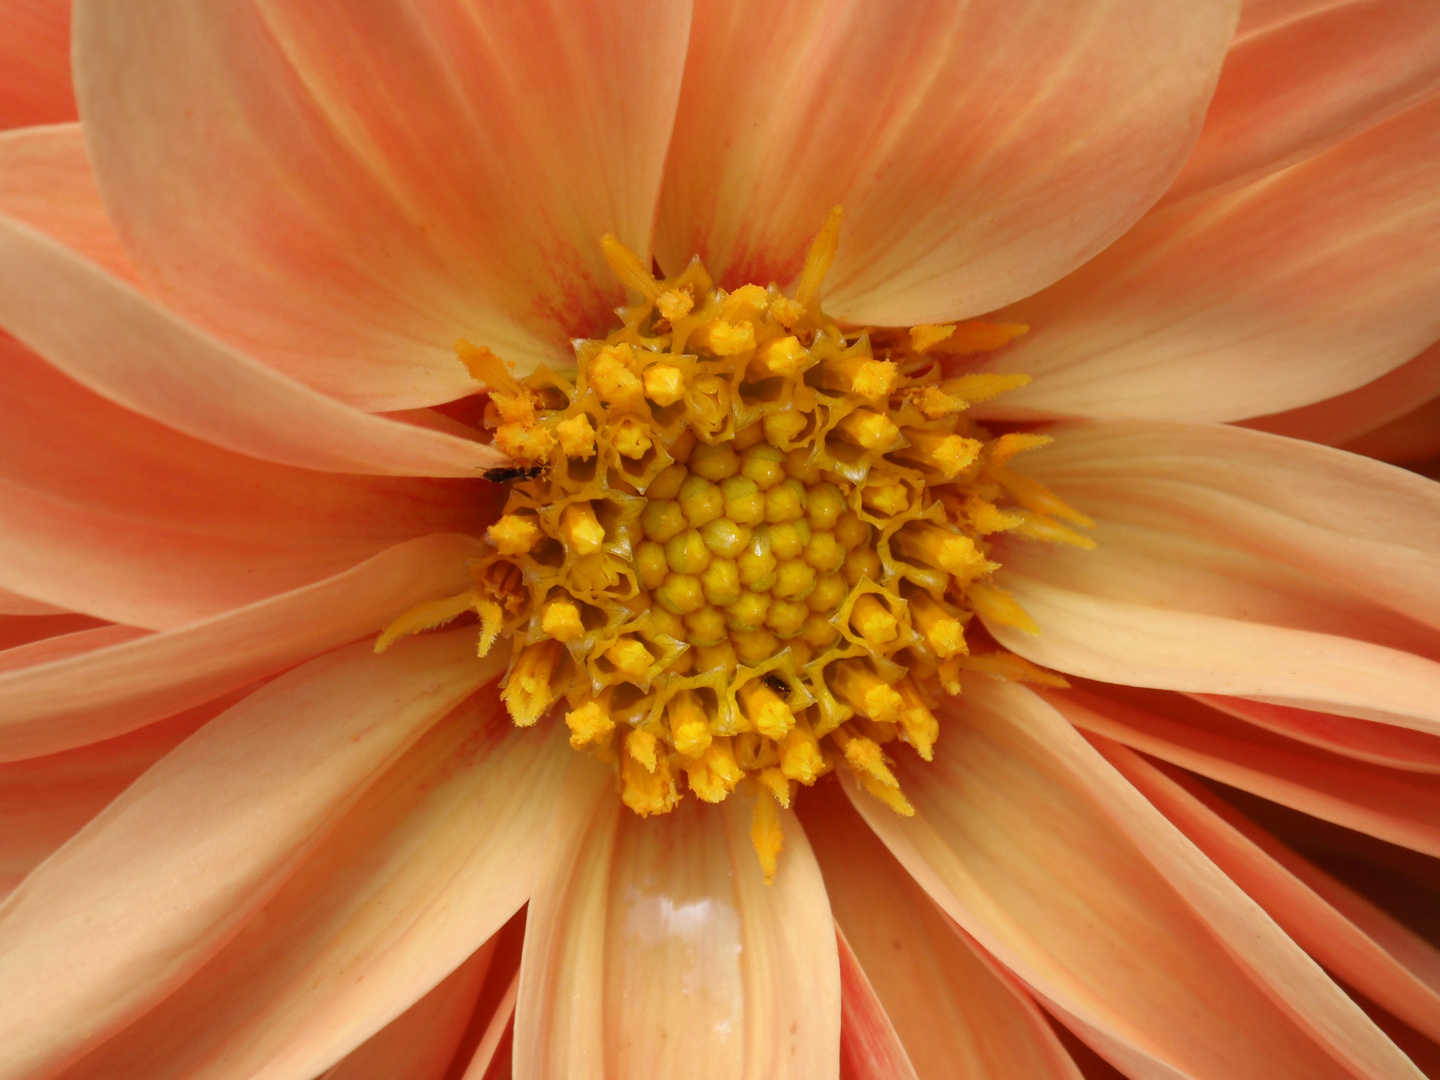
[1302, 285]
[1238, 563]
[419, 1043]
[869, 1047]
[980, 151]
[1374, 953]
[105, 334]
[45, 801]
[121, 517]
[343, 191]
[1060, 869]
[1400, 806]
[154, 886]
[654, 947]
[429, 864]
[35, 63]
[1304, 81]
[55, 702]
[955, 1012]
[1338, 420]
[46, 182]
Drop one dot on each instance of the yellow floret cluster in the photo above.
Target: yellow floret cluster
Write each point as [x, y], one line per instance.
[743, 544]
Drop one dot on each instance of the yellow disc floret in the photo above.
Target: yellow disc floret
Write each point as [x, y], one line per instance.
[745, 543]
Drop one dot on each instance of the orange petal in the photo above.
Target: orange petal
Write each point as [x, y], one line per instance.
[1399, 806]
[1238, 563]
[13, 603]
[956, 1011]
[57, 702]
[1412, 439]
[1377, 955]
[138, 901]
[1061, 870]
[115, 515]
[1379, 744]
[35, 63]
[46, 182]
[362, 185]
[45, 801]
[869, 1047]
[419, 1043]
[105, 334]
[975, 153]
[1301, 286]
[429, 864]
[1338, 420]
[1293, 87]
[654, 948]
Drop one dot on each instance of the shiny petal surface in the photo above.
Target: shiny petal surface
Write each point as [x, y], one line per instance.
[1267, 871]
[46, 182]
[1401, 807]
[114, 515]
[344, 191]
[1303, 285]
[212, 830]
[35, 63]
[419, 1043]
[113, 339]
[955, 1012]
[1233, 562]
[979, 151]
[1299, 85]
[654, 947]
[428, 865]
[1057, 866]
[104, 692]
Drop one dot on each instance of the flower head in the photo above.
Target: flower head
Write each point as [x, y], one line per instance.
[329, 319]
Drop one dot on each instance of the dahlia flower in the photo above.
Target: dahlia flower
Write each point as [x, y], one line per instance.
[745, 538]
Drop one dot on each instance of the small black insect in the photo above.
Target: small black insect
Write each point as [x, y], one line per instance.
[776, 684]
[511, 474]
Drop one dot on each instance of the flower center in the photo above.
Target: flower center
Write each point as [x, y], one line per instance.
[743, 544]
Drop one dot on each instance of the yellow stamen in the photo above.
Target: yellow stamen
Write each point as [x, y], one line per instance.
[747, 543]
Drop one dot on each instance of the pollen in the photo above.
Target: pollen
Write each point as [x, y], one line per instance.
[747, 543]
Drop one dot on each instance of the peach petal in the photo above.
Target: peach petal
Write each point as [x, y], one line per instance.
[946, 136]
[46, 182]
[35, 63]
[17, 631]
[427, 867]
[1412, 439]
[501, 1021]
[1341, 419]
[955, 1009]
[343, 191]
[420, 1042]
[1238, 563]
[118, 516]
[1407, 981]
[1379, 744]
[1399, 806]
[108, 336]
[1303, 285]
[13, 603]
[869, 1047]
[51, 650]
[1296, 86]
[154, 886]
[654, 947]
[45, 801]
[1061, 870]
[98, 694]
